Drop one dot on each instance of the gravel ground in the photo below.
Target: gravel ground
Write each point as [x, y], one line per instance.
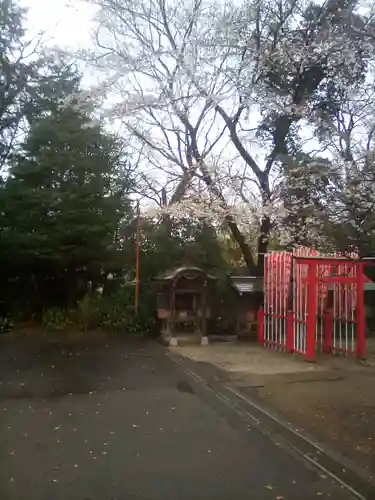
[332, 399]
[246, 358]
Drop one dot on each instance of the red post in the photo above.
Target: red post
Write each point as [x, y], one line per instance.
[311, 312]
[261, 326]
[137, 262]
[290, 331]
[360, 315]
[328, 331]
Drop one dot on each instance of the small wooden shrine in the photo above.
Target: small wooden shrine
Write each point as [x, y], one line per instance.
[183, 305]
[250, 290]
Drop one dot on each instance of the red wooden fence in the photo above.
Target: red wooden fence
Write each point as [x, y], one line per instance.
[313, 302]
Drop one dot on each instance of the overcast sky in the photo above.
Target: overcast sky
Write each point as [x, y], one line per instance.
[67, 22]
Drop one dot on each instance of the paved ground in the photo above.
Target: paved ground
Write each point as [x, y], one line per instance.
[89, 421]
[332, 399]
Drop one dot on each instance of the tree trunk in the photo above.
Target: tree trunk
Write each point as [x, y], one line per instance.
[166, 221]
[236, 233]
[263, 240]
[244, 246]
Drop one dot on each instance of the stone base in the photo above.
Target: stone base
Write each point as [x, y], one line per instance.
[180, 340]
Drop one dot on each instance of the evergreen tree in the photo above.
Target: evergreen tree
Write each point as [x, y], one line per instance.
[62, 206]
[31, 83]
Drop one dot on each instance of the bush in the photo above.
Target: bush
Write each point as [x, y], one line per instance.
[117, 314]
[55, 319]
[113, 312]
[5, 324]
[88, 312]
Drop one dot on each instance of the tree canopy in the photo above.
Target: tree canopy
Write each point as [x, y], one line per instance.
[237, 96]
[62, 206]
[243, 126]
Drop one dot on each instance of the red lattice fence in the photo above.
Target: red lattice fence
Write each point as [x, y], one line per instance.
[313, 302]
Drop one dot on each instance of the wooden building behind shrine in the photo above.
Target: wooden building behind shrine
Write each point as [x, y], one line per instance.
[250, 292]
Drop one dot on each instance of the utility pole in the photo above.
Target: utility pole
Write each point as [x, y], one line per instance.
[137, 262]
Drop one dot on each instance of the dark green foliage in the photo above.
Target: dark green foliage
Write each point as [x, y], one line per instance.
[6, 324]
[55, 319]
[113, 313]
[178, 244]
[61, 209]
[117, 314]
[63, 195]
[224, 305]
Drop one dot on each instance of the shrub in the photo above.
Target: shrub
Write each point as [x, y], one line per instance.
[55, 319]
[88, 314]
[113, 312]
[5, 324]
[117, 314]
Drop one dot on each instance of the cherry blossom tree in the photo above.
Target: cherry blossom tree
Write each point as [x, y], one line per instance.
[224, 94]
[344, 182]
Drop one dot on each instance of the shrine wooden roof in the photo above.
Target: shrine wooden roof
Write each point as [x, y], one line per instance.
[171, 274]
